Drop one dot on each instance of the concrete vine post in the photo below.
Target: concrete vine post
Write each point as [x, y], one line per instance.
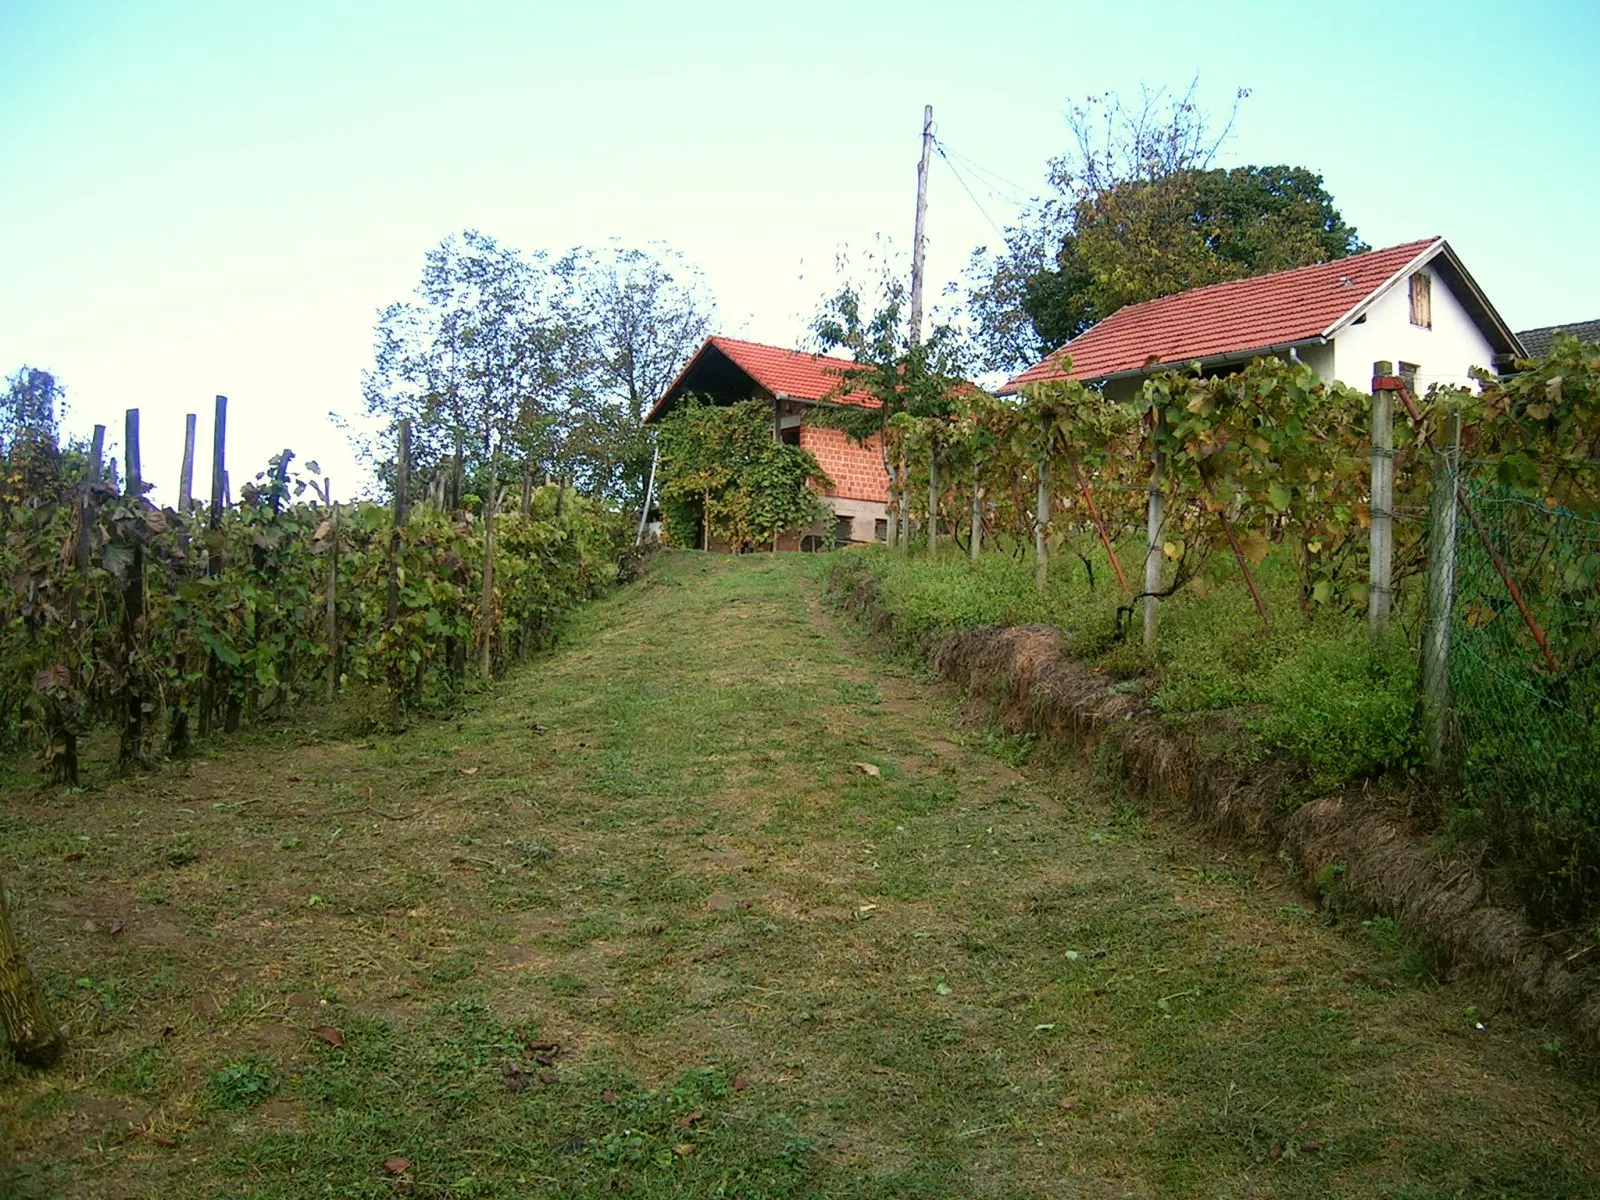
[1442, 513]
[1155, 515]
[35, 1040]
[1381, 571]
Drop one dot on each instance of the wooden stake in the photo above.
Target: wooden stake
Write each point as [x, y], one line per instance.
[219, 471]
[1155, 515]
[81, 550]
[132, 743]
[1381, 571]
[186, 472]
[36, 1040]
[216, 671]
[487, 651]
[975, 546]
[1041, 522]
[333, 585]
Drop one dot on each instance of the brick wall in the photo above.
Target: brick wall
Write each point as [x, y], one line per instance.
[857, 471]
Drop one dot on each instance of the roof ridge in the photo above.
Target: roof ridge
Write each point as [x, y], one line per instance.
[1253, 279]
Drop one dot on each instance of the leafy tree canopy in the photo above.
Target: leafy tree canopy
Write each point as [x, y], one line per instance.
[545, 364]
[1136, 210]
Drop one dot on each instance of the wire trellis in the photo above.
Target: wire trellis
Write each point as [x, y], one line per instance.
[1528, 732]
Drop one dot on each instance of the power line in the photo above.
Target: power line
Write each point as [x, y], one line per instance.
[978, 204]
[1013, 193]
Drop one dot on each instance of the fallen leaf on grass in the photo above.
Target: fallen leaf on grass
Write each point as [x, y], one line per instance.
[739, 1083]
[683, 1149]
[297, 779]
[398, 1165]
[549, 1077]
[688, 1119]
[329, 1034]
[114, 928]
[609, 1096]
[469, 770]
[867, 768]
[159, 1139]
[1068, 1102]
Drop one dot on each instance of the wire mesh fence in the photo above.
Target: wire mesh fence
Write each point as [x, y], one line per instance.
[1525, 684]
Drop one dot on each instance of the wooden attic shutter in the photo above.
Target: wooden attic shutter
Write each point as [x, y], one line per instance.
[1422, 300]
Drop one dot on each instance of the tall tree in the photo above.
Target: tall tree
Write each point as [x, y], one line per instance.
[1136, 210]
[642, 314]
[483, 355]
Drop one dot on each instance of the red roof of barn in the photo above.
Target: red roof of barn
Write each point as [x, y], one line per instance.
[790, 373]
[1237, 318]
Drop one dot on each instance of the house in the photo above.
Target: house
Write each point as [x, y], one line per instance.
[1537, 342]
[1414, 305]
[726, 371]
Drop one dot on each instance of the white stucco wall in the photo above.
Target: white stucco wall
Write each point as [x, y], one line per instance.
[1445, 353]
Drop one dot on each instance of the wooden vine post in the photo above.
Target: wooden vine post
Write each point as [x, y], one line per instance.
[333, 585]
[178, 740]
[891, 517]
[131, 749]
[1442, 513]
[35, 1040]
[1155, 515]
[487, 650]
[215, 685]
[186, 472]
[402, 489]
[1041, 520]
[975, 548]
[1380, 575]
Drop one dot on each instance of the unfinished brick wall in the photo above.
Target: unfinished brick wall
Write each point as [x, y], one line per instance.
[857, 471]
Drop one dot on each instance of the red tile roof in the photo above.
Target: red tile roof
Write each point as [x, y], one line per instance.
[1229, 318]
[791, 373]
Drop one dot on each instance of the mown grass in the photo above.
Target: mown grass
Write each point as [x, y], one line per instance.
[1312, 685]
[752, 968]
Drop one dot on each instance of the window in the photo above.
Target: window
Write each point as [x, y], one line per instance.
[1422, 300]
[791, 436]
[843, 530]
[880, 529]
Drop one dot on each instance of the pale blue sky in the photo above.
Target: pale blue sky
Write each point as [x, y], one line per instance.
[209, 197]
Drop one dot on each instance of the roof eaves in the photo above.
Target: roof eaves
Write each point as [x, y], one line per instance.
[1367, 301]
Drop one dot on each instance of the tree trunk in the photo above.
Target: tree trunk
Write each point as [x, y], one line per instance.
[35, 1039]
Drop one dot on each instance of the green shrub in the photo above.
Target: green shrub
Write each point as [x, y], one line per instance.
[1345, 708]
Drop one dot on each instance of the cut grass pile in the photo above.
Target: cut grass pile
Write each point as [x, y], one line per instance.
[640, 921]
[1314, 686]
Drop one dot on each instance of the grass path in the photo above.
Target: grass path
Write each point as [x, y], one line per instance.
[637, 922]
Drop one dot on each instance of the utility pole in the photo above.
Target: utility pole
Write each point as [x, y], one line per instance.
[915, 333]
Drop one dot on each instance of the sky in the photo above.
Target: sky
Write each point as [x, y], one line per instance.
[212, 196]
